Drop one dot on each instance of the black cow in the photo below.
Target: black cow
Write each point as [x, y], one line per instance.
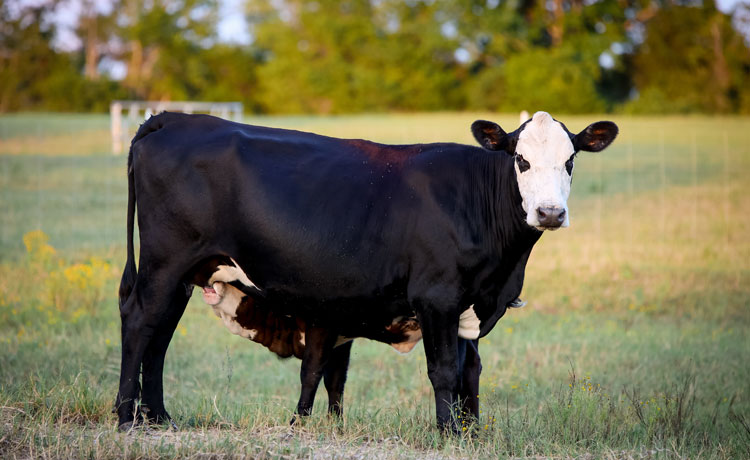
[350, 236]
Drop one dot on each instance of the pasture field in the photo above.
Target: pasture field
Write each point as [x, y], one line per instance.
[635, 342]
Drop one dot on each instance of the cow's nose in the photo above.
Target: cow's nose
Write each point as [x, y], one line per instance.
[551, 217]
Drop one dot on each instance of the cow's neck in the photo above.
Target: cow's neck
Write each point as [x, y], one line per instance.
[499, 201]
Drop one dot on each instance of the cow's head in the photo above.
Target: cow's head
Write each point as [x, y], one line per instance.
[544, 150]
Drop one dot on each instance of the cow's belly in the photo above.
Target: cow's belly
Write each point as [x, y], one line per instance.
[285, 335]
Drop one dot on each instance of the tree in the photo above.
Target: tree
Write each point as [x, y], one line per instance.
[691, 60]
[96, 25]
[330, 56]
[162, 37]
[559, 80]
[30, 70]
[528, 54]
[336, 56]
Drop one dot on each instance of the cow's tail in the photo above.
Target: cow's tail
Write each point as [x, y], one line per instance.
[130, 272]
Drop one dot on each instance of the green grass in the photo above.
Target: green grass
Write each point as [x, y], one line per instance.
[635, 341]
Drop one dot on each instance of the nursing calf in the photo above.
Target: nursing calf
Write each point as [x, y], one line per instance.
[346, 238]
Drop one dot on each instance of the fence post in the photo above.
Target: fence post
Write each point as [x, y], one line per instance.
[662, 195]
[694, 217]
[121, 123]
[727, 194]
[115, 116]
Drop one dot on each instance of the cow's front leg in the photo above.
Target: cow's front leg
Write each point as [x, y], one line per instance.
[440, 334]
[318, 345]
[470, 368]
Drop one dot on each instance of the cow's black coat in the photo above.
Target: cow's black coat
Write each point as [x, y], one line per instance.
[327, 230]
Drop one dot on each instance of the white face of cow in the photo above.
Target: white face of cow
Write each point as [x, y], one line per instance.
[543, 151]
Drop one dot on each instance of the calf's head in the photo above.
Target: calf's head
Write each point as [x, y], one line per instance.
[544, 151]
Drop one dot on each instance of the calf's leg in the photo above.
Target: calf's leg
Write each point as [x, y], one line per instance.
[334, 377]
[318, 345]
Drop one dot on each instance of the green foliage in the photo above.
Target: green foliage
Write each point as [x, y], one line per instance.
[557, 80]
[333, 57]
[45, 290]
[691, 61]
[34, 76]
[326, 56]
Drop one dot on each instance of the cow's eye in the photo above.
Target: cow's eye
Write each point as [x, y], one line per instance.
[523, 165]
[569, 165]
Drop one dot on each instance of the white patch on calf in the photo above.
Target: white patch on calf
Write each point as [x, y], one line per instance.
[225, 298]
[226, 307]
[468, 324]
[546, 145]
[406, 329]
[412, 339]
[227, 274]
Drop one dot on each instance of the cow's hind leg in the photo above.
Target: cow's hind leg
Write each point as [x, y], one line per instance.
[144, 316]
[152, 393]
[334, 377]
[318, 345]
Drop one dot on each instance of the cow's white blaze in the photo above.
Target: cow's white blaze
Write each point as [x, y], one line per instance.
[468, 324]
[546, 146]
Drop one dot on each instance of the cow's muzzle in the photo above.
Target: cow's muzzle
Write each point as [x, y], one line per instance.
[550, 217]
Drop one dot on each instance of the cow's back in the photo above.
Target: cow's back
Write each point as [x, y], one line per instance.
[293, 208]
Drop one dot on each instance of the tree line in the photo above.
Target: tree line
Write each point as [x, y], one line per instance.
[344, 56]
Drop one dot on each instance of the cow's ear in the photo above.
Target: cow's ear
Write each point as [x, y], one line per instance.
[596, 137]
[489, 135]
